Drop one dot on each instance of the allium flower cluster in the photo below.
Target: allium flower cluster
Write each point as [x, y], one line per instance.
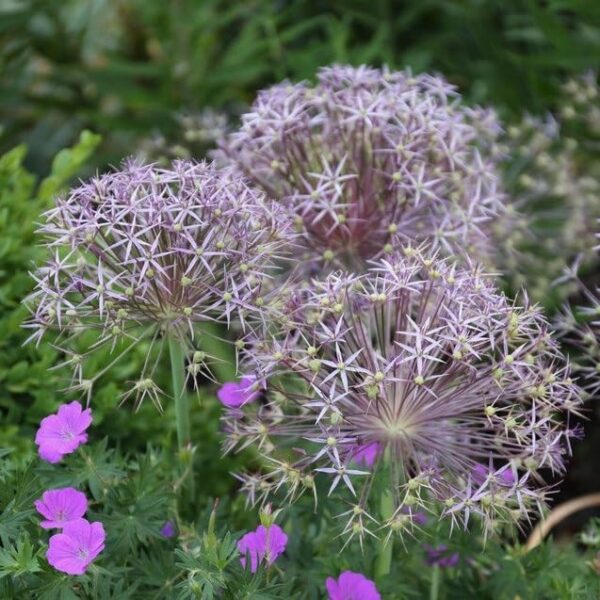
[555, 194]
[154, 252]
[582, 102]
[368, 157]
[460, 396]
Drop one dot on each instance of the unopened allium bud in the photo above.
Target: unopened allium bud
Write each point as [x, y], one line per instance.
[368, 159]
[148, 252]
[447, 435]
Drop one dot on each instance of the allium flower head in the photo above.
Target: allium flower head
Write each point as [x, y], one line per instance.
[61, 506]
[76, 547]
[552, 177]
[367, 157]
[265, 544]
[454, 383]
[154, 252]
[351, 586]
[64, 432]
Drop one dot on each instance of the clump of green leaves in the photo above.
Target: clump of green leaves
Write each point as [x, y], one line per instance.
[126, 67]
[134, 495]
[27, 391]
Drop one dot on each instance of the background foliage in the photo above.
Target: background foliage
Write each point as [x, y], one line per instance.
[131, 70]
[125, 67]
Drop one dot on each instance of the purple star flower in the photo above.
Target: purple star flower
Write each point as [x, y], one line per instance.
[61, 506]
[154, 253]
[76, 547]
[266, 543]
[367, 158]
[234, 394]
[63, 432]
[434, 366]
[168, 530]
[351, 586]
[441, 557]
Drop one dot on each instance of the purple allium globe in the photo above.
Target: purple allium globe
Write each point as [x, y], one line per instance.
[367, 158]
[149, 252]
[454, 383]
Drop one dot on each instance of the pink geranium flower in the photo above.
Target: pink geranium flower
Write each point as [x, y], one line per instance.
[234, 394]
[351, 586]
[366, 454]
[63, 432]
[61, 506]
[503, 476]
[266, 543]
[76, 547]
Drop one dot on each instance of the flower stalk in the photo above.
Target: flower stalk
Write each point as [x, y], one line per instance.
[182, 405]
[384, 556]
[434, 588]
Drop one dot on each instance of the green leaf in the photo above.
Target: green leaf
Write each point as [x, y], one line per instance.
[18, 560]
[67, 163]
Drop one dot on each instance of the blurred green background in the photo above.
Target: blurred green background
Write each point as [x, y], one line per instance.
[136, 70]
[127, 68]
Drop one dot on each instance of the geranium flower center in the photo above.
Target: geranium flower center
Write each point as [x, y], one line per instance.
[67, 434]
[83, 553]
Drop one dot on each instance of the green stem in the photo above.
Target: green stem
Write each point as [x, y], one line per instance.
[434, 590]
[182, 406]
[384, 556]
